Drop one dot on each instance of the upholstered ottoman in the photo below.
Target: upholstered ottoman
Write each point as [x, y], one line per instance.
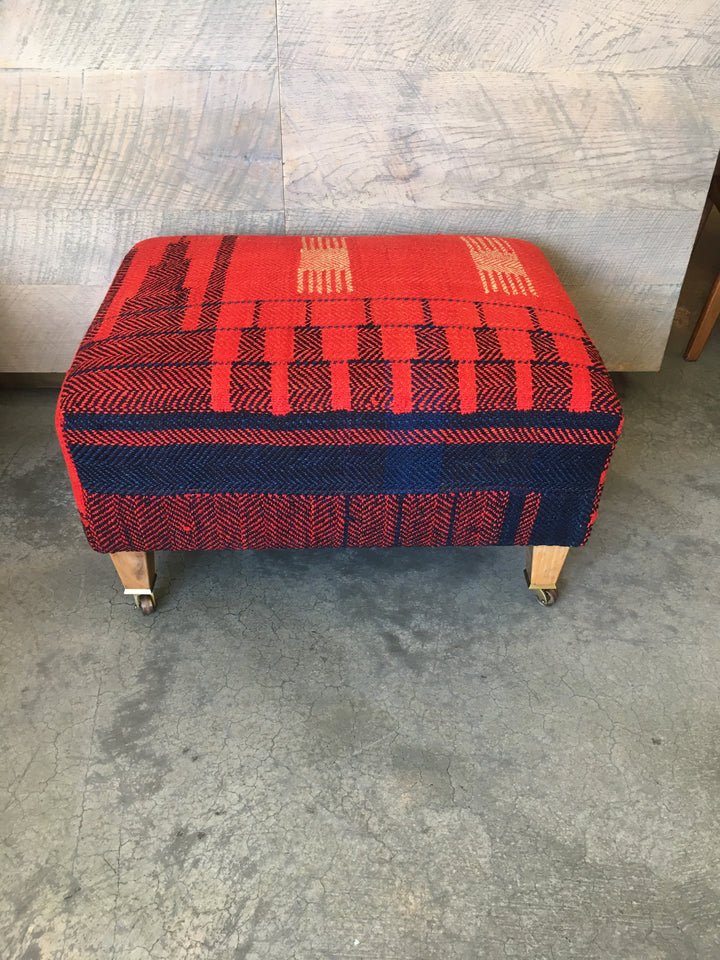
[259, 392]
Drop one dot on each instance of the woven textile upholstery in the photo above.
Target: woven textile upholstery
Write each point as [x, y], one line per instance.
[254, 392]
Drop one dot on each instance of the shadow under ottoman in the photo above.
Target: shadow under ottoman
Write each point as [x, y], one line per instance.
[259, 392]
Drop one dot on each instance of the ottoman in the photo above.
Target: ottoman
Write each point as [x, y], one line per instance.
[247, 392]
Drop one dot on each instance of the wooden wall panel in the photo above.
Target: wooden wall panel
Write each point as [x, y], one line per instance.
[138, 35]
[43, 325]
[575, 141]
[502, 35]
[629, 322]
[169, 140]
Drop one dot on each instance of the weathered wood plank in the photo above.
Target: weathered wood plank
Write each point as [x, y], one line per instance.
[104, 34]
[500, 141]
[376, 34]
[159, 140]
[630, 324]
[86, 246]
[626, 35]
[43, 325]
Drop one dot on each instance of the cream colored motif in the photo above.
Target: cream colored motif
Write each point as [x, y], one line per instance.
[499, 266]
[324, 266]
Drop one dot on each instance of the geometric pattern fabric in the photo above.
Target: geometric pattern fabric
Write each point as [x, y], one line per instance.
[254, 392]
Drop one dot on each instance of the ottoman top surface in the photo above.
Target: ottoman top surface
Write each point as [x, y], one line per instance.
[275, 325]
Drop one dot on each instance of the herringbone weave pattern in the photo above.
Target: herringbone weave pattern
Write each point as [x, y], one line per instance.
[255, 392]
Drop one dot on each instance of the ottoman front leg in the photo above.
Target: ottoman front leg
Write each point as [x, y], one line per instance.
[543, 570]
[137, 572]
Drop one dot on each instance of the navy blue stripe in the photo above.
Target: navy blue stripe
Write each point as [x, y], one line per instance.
[512, 519]
[333, 420]
[563, 518]
[355, 468]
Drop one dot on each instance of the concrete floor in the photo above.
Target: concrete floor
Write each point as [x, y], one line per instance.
[377, 755]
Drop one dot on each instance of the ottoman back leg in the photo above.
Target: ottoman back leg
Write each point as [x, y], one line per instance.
[137, 572]
[543, 568]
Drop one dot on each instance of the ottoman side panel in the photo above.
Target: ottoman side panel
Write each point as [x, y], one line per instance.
[218, 481]
[272, 521]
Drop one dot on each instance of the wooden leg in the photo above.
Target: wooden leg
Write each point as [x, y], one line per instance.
[543, 570]
[705, 323]
[137, 572]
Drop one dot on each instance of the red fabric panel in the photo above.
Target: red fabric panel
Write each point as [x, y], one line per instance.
[461, 343]
[236, 315]
[340, 386]
[225, 351]
[557, 322]
[572, 350]
[279, 388]
[523, 380]
[402, 388]
[340, 343]
[282, 314]
[501, 315]
[467, 387]
[279, 344]
[338, 313]
[399, 343]
[258, 264]
[581, 398]
[515, 344]
[398, 312]
[455, 314]
[202, 253]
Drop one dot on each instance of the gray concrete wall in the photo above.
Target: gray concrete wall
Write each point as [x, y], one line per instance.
[590, 129]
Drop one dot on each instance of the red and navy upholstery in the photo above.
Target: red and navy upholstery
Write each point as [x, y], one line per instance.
[253, 392]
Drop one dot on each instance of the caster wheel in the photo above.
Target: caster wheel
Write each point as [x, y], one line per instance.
[146, 604]
[546, 597]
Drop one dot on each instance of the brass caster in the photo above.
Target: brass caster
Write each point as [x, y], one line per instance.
[146, 603]
[546, 597]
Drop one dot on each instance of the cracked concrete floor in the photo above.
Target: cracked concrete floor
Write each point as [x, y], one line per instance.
[370, 754]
